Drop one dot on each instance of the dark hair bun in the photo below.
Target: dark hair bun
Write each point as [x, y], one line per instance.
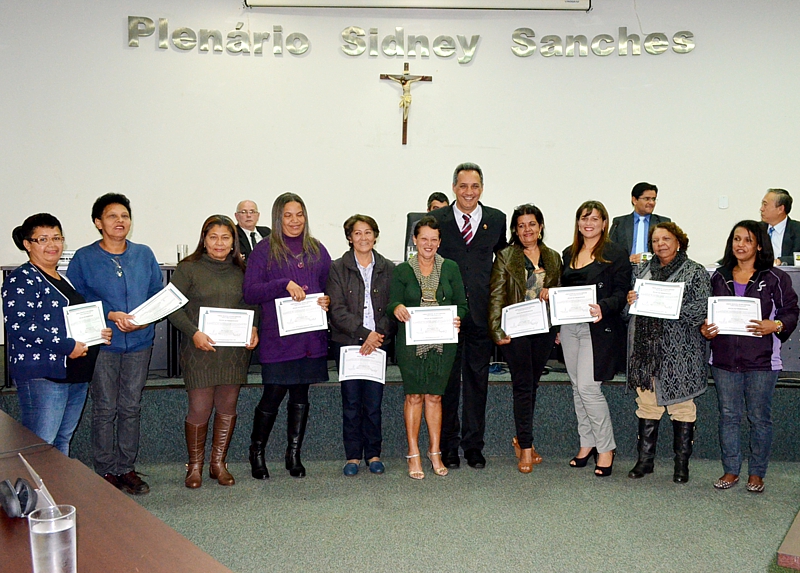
[18, 235]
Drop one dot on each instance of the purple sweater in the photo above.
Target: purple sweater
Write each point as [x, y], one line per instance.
[266, 280]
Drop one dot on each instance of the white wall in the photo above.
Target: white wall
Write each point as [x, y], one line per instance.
[187, 134]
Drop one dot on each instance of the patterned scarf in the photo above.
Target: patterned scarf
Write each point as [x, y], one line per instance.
[429, 285]
[645, 363]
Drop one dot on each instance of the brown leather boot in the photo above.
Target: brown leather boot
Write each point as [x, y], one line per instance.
[223, 432]
[196, 446]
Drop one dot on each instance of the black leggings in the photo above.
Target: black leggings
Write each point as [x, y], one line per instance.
[274, 393]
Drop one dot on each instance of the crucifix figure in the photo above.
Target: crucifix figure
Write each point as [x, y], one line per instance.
[406, 80]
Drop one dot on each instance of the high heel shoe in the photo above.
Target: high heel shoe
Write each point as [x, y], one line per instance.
[414, 474]
[536, 458]
[603, 470]
[577, 462]
[442, 471]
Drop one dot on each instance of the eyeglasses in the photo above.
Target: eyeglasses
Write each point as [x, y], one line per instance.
[58, 239]
[247, 212]
[648, 199]
[119, 267]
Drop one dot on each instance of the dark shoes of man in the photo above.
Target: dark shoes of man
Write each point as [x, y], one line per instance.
[131, 483]
[475, 459]
[450, 459]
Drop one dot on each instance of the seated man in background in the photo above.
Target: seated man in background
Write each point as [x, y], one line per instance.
[436, 200]
[249, 234]
[783, 231]
[631, 231]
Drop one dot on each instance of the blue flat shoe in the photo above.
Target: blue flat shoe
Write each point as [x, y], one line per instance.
[350, 469]
[377, 467]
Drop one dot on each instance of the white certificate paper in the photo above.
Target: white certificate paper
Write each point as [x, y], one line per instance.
[165, 302]
[732, 314]
[304, 316]
[85, 321]
[570, 305]
[658, 299]
[432, 325]
[355, 366]
[521, 319]
[226, 326]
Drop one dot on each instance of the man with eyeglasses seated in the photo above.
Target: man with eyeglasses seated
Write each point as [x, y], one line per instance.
[631, 231]
[249, 234]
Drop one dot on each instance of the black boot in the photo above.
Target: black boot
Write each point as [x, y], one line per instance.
[682, 444]
[297, 415]
[262, 426]
[648, 437]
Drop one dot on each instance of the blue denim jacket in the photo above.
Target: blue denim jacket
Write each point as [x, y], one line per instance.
[121, 282]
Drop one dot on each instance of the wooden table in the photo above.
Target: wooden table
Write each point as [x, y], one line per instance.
[114, 532]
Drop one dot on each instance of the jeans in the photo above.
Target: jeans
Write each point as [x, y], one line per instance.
[51, 410]
[735, 391]
[117, 385]
[361, 419]
[361, 415]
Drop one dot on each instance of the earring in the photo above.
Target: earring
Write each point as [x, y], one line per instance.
[540, 236]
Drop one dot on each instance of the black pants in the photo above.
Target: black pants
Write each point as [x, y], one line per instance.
[470, 376]
[527, 357]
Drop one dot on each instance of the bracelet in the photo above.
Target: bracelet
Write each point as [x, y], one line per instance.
[779, 324]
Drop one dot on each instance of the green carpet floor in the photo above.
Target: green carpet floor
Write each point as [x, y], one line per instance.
[555, 519]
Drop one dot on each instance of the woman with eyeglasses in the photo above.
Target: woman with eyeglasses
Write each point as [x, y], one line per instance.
[50, 370]
[122, 274]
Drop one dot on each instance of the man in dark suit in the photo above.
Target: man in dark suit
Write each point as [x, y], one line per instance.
[471, 234]
[783, 231]
[249, 234]
[631, 231]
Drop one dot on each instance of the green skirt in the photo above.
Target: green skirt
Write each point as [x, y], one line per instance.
[424, 375]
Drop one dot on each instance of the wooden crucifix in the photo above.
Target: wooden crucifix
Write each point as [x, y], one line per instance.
[406, 80]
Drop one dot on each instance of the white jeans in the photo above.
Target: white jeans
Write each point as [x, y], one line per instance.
[591, 408]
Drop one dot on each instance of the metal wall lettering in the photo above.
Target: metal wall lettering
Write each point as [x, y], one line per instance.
[397, 45]
[237, 41]
[356, 41]
[524, 44]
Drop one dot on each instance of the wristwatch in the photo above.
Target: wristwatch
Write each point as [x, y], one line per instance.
[779, 324]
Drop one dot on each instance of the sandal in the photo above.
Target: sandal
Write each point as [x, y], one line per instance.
[414, 474]
[442, 471]
[536, 458]
[525, 465]
[755, 487]
[723, 483]
[517, 449]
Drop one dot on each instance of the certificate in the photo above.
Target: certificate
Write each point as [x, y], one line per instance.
[432, 325]
[226, 326]
[658, 299]
[85, 321]
[355, 366]
[295, 317]
[570, 305]
[732, 314]
[529, 317]
[165, 302]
